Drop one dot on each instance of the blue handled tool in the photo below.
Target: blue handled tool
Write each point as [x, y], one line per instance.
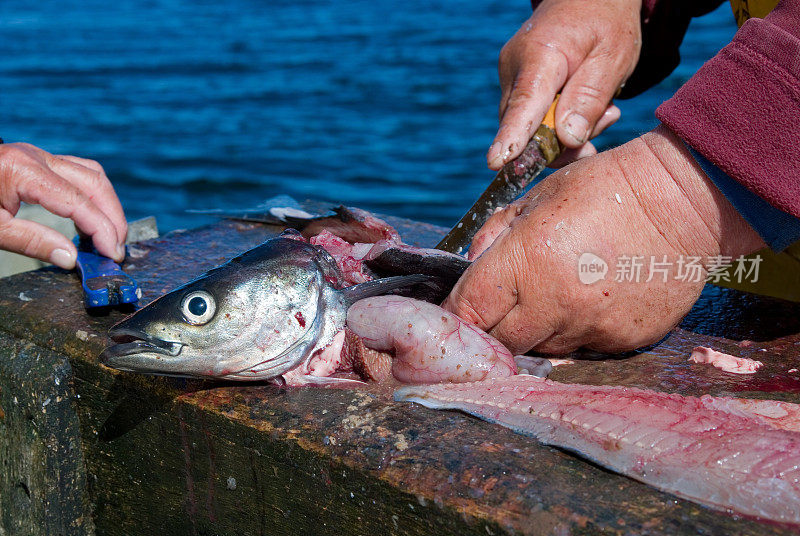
[103, 281]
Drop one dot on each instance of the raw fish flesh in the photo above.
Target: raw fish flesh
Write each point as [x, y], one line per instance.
[725, 362]
[724, 453]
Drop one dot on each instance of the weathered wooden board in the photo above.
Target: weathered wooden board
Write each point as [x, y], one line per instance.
[117, 453]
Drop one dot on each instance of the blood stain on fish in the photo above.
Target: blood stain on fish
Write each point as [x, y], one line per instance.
[300, 319]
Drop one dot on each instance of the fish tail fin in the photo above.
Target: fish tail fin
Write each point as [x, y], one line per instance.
[382, 286]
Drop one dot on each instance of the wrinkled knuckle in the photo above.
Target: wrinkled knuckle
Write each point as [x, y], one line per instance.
[97, 180]
[34, 243]
[16, 167]
[463, 308]
[79, 200]
[555, 54]
[15, 154]
[520, 101]
[622, 63]
[96, 166]
[590, 101]
[506, 54]
[591, 94]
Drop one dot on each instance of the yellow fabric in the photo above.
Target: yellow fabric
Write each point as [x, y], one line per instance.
[778, 275]
[746, 9]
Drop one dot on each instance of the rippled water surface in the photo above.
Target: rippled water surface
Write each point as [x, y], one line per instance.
[192, 103]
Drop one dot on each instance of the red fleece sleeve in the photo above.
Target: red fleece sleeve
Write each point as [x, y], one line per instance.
[742, 108]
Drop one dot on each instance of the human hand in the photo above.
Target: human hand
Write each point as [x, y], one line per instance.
[584, 48]
[645, 198]
[68, 186]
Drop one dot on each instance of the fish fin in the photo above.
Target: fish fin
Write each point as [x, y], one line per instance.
[323, 381]
[379, 287]
[278, 210]
[415, 393]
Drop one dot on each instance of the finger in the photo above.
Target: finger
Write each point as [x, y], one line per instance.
[484, 241]
[568, 156]
[493, 228]
[530, 97]
[503, 220]
[522, 329]
[487, 290]
[508, 81]
[609, 117]
[90, 178]
[508, 66]
[60, 197]
[584, 100]
[36, 240]
[85, 162]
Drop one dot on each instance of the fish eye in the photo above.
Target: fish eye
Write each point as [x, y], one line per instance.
[198, 307]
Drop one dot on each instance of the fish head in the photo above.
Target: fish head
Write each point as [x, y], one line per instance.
[255, 317]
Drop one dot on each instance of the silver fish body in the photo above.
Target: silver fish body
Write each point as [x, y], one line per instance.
[256, 317]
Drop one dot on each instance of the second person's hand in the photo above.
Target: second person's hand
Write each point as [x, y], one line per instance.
[68, 186]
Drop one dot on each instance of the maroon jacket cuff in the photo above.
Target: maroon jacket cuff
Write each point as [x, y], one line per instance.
[742, 108]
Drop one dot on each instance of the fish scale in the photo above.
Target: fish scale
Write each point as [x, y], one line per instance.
[269, 311]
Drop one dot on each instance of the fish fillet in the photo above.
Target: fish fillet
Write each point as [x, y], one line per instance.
[725, 362]
[724, 453]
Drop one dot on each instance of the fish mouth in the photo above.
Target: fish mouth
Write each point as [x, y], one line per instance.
[133, 342]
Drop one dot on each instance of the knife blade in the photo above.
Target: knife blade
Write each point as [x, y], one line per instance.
[509, 183]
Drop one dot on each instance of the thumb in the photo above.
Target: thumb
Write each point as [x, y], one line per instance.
[499, 222]
[36, 240]
[584, 101]
[487, 291]
[568, 155]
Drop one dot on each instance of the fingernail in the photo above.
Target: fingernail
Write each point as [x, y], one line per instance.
[577, 127]
[62, 258]
[494, 153]
[120, 252]
[511, 150]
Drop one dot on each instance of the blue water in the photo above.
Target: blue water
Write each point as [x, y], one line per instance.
[188, 104]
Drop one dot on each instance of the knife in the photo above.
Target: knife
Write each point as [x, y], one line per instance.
[510, 181]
